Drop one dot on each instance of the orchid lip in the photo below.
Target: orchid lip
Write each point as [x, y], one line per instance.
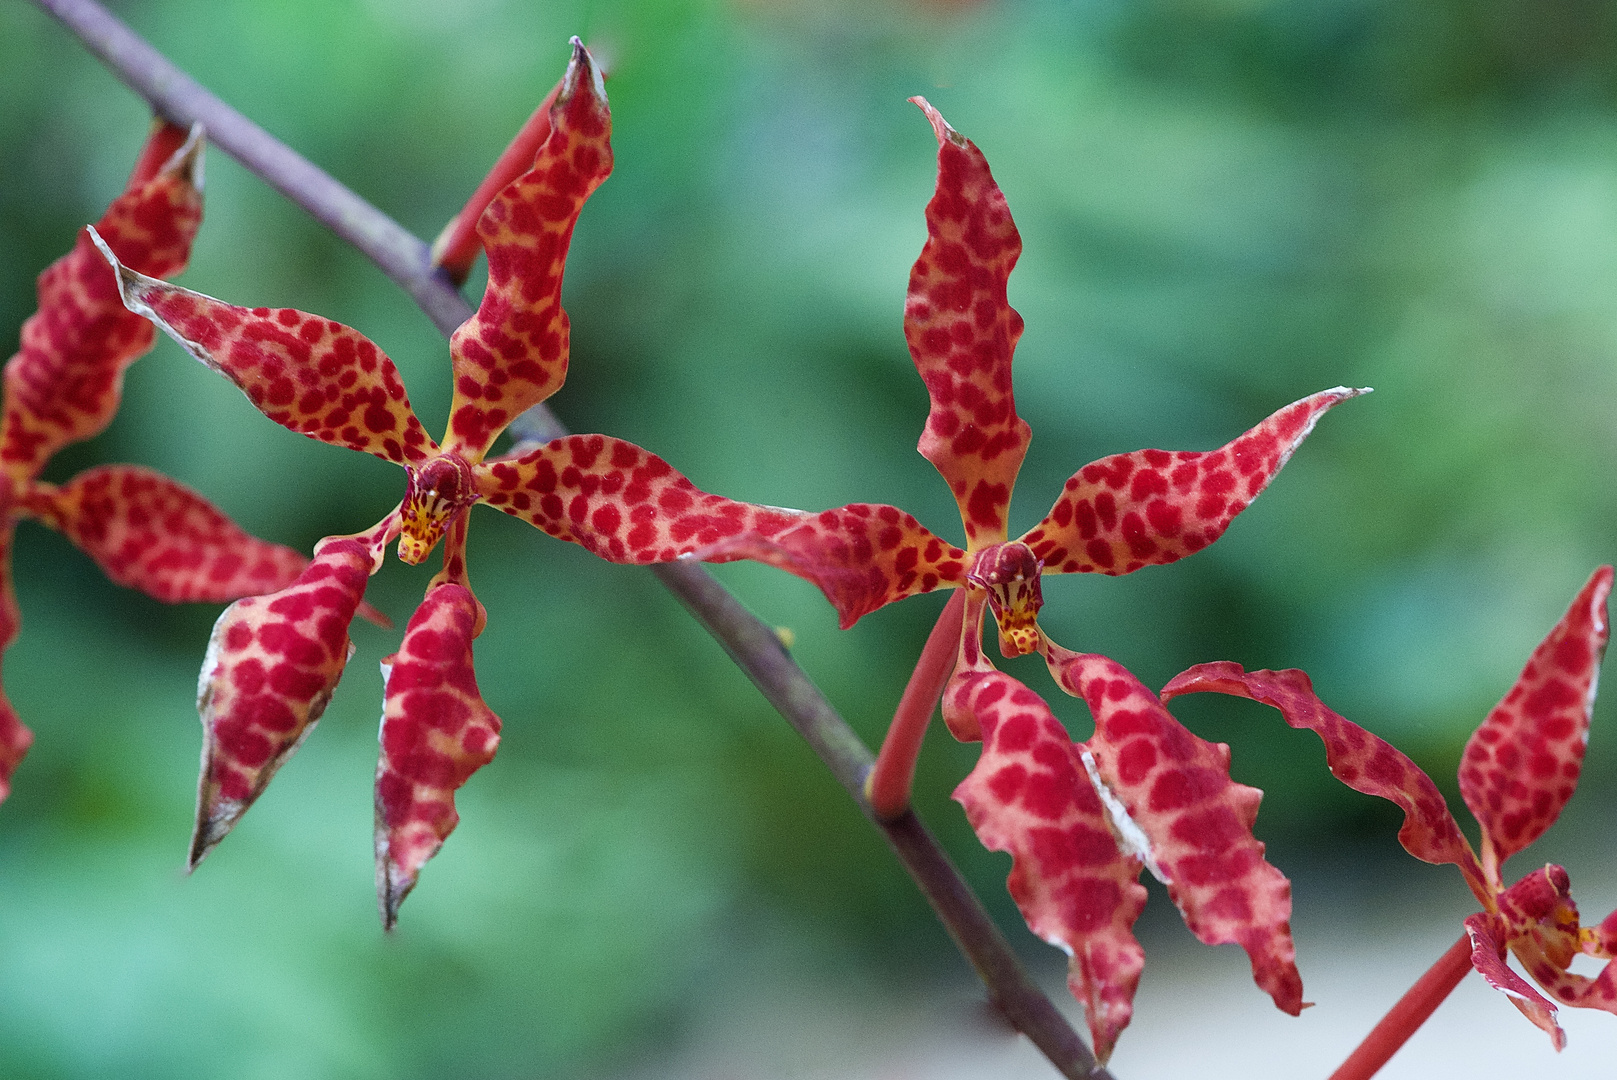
[1010, 573]
[438, 491]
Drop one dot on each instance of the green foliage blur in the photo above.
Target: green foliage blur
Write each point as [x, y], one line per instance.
[1225, 205]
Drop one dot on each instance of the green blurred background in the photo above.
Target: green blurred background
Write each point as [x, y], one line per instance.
[1225, 204]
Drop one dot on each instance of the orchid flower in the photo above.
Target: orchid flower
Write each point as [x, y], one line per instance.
[64, 385]
[273, 661]
[1080, 820]
[1518, 770]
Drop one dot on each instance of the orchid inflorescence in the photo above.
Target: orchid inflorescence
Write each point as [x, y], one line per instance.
[1081, 820]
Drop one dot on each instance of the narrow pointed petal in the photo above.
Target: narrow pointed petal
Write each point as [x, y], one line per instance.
[65, 383]
[308, 374]
[513, 353]
[15, 738]
[1177, 789]
[1031, 795]
[155, 534]
[962, 333]
[1487, 935]
[436, 732]
[863, 556]
[1362, 761]
[1152, 507]
[1522, 765]
[620, 502]
[272, 664]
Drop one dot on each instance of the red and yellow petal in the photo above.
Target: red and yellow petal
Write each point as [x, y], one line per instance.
[436, 732]
[1522, 764]
[1030, 794]
[1362, 761]
[513, 353]
[272, 664]
[962, 332]
[1152, 507]
[308, 374]
[154, 534]
[65, 383]
[1488, 938]
[618, 501]
[15, 738]
[1176, 788]
[863, 556]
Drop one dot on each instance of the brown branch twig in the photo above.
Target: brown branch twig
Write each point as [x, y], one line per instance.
[753, 646]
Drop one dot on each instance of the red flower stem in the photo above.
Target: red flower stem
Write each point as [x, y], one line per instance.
[755, 648]
[889, 783]
[457, 246]
[1406, 1017]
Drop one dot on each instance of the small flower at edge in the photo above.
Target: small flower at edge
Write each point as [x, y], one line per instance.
[1518, 770]
[64, 385]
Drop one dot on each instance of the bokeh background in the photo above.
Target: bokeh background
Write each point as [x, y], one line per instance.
[1226, 205]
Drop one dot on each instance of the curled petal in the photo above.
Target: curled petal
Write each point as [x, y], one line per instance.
[620, 502]
[513, 353]
[308, 374]
[271, 666]
[65, 383]
[1177, 789]
[1522, 765]
[962, 332]
[436, 732]
[155, 534]
[1030, 795]
[1152, 507]
[15, 738]
[1362, 761]
[1488, 938]
[863, 556]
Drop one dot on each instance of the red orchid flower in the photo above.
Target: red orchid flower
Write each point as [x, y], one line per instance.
[1081, 820]
[274, 661]
[64, 385]
[1518, 770]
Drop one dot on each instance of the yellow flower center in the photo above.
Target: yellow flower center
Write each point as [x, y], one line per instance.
[1010, 574]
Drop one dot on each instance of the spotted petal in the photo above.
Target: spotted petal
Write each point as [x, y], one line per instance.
[65, 383]
[962, 331]
[1522, 765]
[15, 738]
[620, 502]
[1030, 794]
[1362, 761]
[863, 556]
[1152, 507]
[513, 353]
[1488, 937]
[436, 732]
[1177, 789]
[308, 374]
[155, 534]
[272, 664]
